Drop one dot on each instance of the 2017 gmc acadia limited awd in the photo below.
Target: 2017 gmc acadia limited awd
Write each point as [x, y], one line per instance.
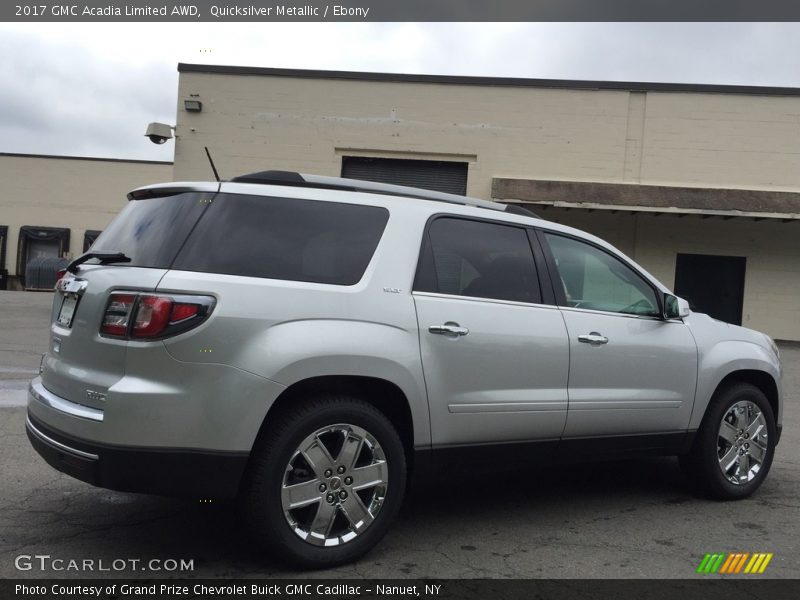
[302, 343]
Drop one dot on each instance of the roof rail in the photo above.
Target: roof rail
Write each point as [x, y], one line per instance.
[356, 185]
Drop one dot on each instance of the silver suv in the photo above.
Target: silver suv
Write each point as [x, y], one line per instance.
[303, 343]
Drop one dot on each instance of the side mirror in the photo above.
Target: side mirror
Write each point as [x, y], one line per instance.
[675, 308]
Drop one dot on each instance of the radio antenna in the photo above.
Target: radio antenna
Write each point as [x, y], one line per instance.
[211, 160]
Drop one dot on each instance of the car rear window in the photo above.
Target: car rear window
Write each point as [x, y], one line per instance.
[284, 238]
[151, 231]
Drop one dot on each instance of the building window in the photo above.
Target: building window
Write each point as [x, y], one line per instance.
[437, 175]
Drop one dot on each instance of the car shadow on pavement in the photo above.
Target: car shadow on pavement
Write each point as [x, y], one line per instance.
[463, 498]
[110, 524]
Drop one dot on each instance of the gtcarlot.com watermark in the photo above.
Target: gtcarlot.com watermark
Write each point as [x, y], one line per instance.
[48, 563]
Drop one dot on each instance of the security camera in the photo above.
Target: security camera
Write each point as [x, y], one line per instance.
[159, 132]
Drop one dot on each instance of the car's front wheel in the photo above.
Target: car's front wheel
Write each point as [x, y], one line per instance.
[326, 481]
[732, 452]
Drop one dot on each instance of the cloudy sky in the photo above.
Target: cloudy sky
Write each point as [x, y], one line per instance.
[91, 89]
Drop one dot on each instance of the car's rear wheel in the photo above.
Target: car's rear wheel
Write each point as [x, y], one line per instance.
[732, 452]
[325, 482]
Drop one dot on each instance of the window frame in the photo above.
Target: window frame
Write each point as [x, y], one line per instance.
[546, 293]
[561, 299]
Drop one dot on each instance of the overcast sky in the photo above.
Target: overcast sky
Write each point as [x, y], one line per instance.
[91, 89]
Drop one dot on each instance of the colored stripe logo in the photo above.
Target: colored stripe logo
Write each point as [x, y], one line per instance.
[734, 563]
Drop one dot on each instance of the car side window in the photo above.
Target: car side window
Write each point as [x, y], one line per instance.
[595, 280]
[483, 260]
[292, 239]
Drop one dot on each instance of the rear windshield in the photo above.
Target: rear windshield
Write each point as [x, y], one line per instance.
[255, 236]
[284, 238]
[150, 232]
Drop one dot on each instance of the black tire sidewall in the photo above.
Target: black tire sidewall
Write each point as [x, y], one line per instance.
[278, 450]
[705, 453]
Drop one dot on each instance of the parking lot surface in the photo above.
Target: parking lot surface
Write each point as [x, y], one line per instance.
[623, 519]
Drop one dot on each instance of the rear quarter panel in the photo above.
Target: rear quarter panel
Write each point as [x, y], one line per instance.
[288, 331]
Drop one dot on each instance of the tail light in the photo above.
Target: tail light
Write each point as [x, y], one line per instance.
[118, 314]
[153, 316]
[60, 275]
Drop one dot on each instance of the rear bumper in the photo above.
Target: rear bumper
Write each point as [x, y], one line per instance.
[169, 472]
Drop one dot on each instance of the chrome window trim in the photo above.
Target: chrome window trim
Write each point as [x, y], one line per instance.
[489, 300]
[615, 314]
[58, 445]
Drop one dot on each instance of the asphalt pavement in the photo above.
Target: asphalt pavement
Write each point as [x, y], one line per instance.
[622, 519]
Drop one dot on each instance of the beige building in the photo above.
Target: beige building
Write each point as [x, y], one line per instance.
[54, 206]
[699, 184]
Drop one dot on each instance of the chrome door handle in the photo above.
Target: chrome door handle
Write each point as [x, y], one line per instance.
[450, 328]
[594, 338]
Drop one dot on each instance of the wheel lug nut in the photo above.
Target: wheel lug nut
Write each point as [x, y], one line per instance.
[343, 495]
[340, 470]
[328, 472]
[322, 487]
[330, 498]
[348, 480]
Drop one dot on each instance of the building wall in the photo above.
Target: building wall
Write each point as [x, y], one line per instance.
[78, 194]
[255, 123]
[726, 140]
[723, 140]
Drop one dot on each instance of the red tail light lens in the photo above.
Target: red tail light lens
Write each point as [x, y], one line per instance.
[149, 316]
[182, 311]
[59, 276]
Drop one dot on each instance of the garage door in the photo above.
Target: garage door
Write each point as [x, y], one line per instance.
[437, 175]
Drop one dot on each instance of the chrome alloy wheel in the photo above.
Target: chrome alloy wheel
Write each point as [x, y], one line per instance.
[329, 501]
[742, 442]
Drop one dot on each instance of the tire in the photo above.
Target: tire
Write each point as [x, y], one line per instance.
[729, 461]
[311, 497]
